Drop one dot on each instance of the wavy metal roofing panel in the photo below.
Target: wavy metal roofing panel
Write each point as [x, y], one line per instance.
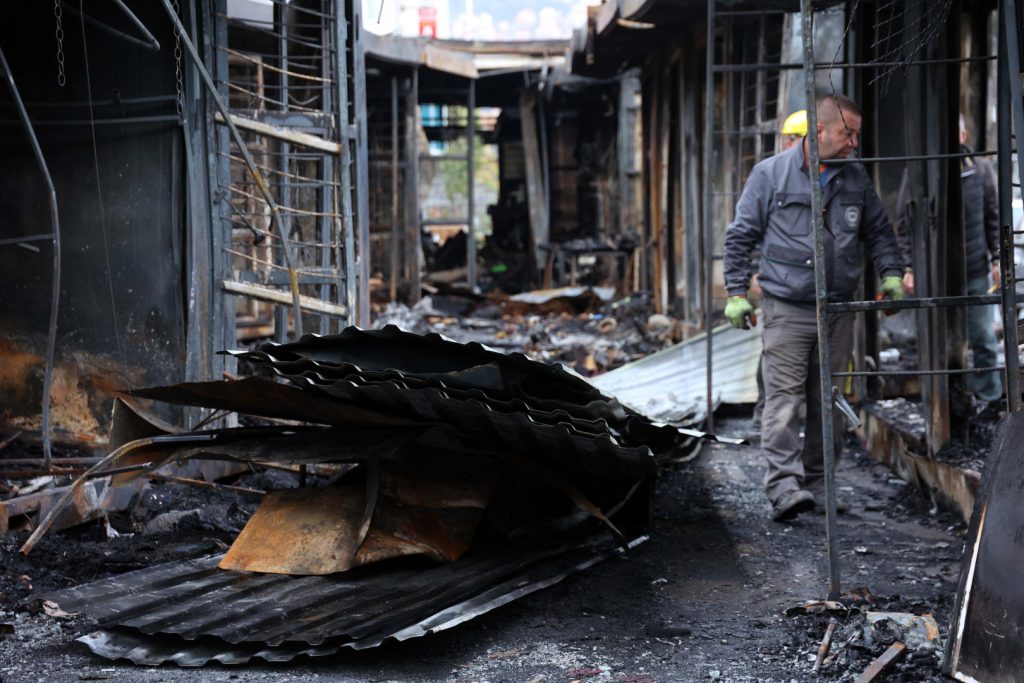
[671, 384]
[192, 612]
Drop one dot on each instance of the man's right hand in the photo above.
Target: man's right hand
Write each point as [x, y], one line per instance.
[739, 312]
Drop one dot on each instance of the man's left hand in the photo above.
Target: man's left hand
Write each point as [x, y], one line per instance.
[892, 288]
[995, 275]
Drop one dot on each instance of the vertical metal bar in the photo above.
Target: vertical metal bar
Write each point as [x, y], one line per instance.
[1010, 105]
[219, 169]
[396, 241]
[414, 249]
[545, 167]
[326, 172]
[328, 237]
[361, 164]
[244, 151]
[470, 152]
[946, 83]
[821, 296]
[342, 49]
[709, 234]
[51, 334]
[281, 16]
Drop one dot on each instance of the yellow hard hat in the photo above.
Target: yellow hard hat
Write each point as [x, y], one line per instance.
[796, 123]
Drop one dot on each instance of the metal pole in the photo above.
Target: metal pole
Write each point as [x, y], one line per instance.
[51, 335]
[395, 240]
[346, 261]
[470, 147]
[1008, 70]
[286, 245]
[709, 233]
[414, 245]
[285, 149]
[361, 163]
[821, 295]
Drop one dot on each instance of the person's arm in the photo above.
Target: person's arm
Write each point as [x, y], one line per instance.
[746, 231]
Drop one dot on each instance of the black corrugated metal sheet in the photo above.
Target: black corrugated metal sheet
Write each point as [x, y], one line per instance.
[557, 446]
[192, 612]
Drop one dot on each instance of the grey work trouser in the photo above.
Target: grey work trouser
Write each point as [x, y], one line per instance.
[791, 380]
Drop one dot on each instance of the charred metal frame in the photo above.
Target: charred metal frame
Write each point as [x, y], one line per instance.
[393, 171]
[54, 237]
[208, 124]
[947, 277]
[468, 159]
[306, 130]
[821, 302]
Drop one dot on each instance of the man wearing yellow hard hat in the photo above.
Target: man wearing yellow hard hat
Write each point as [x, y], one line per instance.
[773, 215]
[794, 128]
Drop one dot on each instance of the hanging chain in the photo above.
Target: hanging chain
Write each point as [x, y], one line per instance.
[57, 12]
[179, 85]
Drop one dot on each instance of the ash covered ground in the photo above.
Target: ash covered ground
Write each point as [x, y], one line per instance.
[704, 599]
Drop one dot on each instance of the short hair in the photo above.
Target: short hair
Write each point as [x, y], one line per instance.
[829, 106]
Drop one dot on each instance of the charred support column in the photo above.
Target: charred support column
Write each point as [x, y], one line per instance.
[470, 150]
[349, 295]
[821, 296]
[951, 209]
[51, 335]
[396, 231]
[413, 248]
[1010, 107]
[362, 165]
[709, 233]
[285, 148]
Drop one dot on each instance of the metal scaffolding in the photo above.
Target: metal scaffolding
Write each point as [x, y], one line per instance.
[290, 195]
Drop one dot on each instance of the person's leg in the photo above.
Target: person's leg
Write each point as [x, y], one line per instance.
[987, 386]
[840, 349]
[789, 338]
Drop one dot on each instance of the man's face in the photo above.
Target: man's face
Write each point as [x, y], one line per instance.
[838, 138]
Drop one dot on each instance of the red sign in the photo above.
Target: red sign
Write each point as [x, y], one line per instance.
[428, 22]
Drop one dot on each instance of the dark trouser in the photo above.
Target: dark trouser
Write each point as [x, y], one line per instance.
[791, 380]
[987, 386]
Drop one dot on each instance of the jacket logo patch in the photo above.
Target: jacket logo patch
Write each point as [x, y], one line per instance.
[852, 216]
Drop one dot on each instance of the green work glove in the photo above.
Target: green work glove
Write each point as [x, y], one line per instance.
[892, 287]
[738, 310]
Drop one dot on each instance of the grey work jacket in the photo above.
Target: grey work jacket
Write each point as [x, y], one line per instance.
[774, 213]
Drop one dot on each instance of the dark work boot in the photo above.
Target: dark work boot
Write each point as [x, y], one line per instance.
[789, 505]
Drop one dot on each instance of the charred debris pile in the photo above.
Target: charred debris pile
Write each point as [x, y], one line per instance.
[586, 328]
[459, 478]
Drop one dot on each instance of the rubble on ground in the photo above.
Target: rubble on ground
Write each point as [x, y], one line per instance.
[580, 329]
